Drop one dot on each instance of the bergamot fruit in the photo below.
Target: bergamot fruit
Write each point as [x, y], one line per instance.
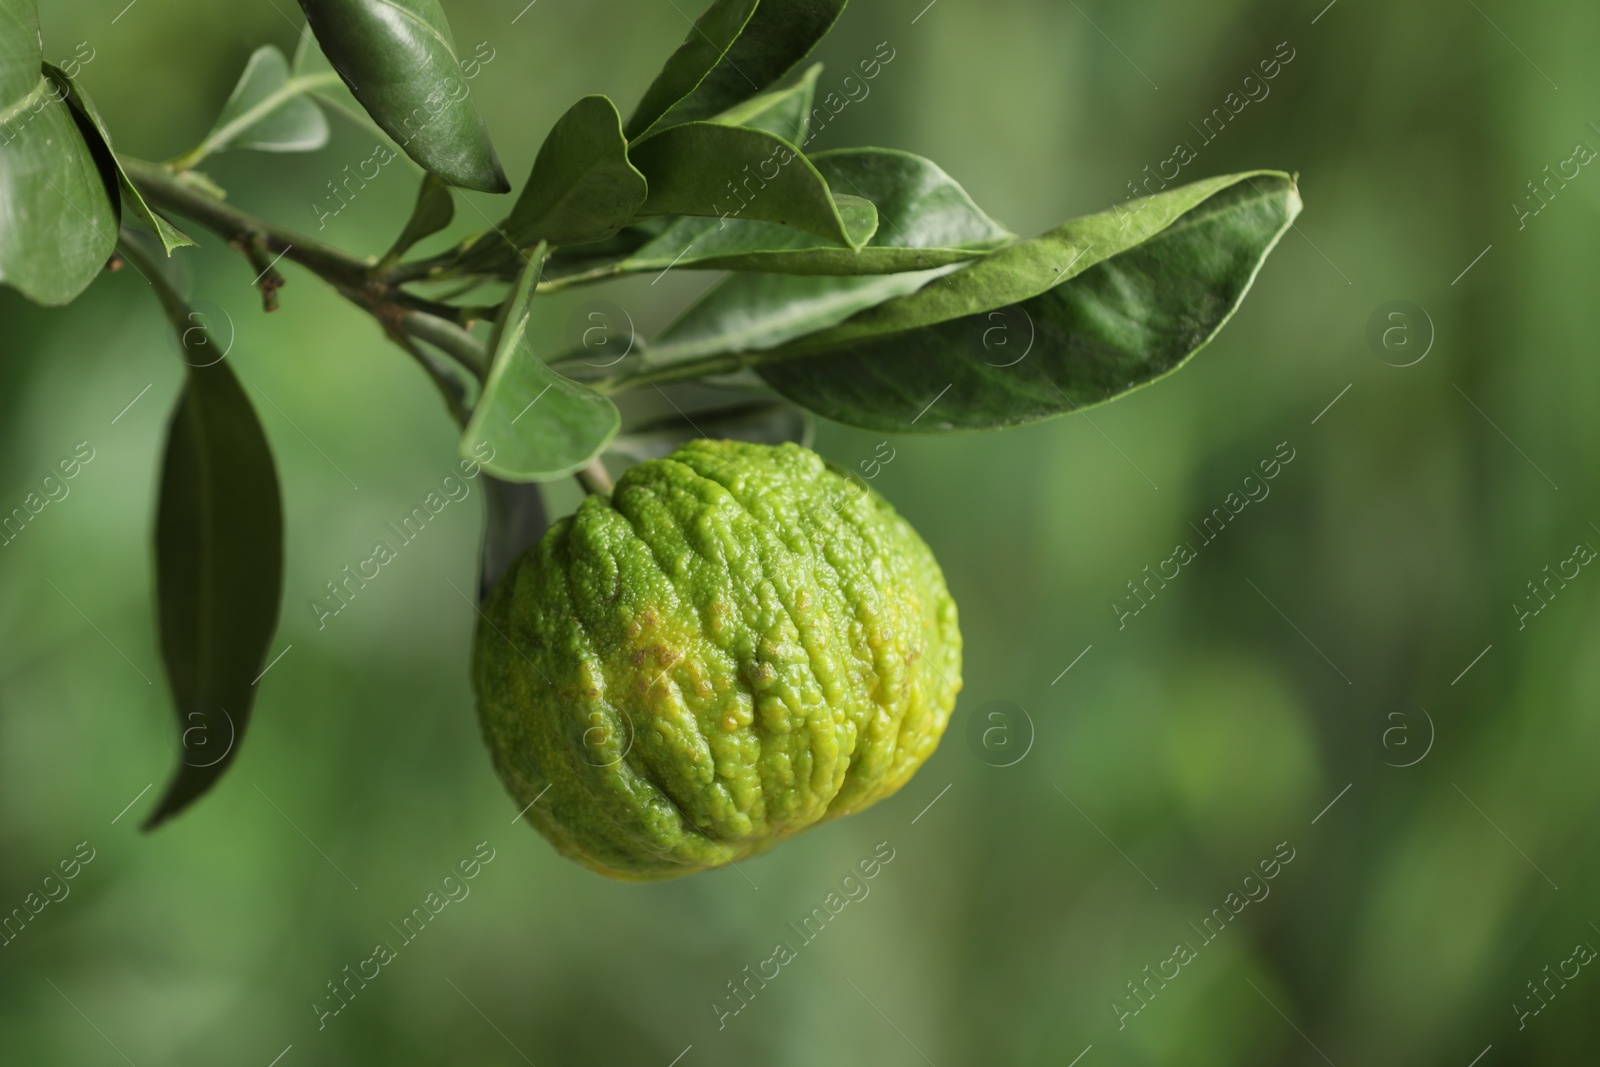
[740, 642]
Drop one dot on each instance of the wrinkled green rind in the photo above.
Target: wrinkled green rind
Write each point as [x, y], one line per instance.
[777, 37]
[219, 570]
[60, 222]
[398, 58]
[170, 236]
[1003, 343]
[735, 172]
[582, 187]
[739, 643]
[536, 424]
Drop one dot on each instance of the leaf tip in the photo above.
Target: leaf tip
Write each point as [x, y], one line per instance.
[484, 176]
[181, 792]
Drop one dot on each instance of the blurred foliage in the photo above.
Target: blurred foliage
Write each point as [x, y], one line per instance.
[1178, 752]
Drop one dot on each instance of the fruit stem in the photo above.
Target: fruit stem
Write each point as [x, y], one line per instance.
[595, 479]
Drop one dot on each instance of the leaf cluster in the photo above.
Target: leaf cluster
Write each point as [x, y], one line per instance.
[863, 285]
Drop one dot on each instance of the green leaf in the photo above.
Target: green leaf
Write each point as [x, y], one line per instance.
[170, 236]
[754, 312]
[533, 423]
[310, 61]
[665, 419]
[398, 58]
[432, 212]
[582, 187]
[730, 172]
[784, 112]
[219, 569]
[176, 270]
[925, 213]
[925, 220]
[59, 220]
[21, 51]
[708, 41]
[779, 35]
[268, 111]
[601, 259]
[515, 518]
[1085, 313]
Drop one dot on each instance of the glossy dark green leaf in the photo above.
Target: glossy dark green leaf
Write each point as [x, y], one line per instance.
[330, 90]
[536, 424]
[432, 212]
[732, 173]
[219, 568]
[778, 36]
[582, 187]
[398, 58]
[1085, 313]
[708, 41]
[60, 222]
[170, 236]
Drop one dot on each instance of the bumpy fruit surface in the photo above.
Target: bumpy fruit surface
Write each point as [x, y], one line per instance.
[742, 641]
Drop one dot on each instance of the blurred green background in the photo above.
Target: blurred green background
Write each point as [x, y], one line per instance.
[1287, 667]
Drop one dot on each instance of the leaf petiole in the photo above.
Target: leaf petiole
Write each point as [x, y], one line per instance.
[683, 370]
[222, 135]
[595, 479]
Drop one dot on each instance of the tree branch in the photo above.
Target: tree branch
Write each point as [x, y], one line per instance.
[404, 318]
[220, 137]
[264, 244]
[173, 306]
[448, 337]
[683, 370]
[443, 374]
[165, 189]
